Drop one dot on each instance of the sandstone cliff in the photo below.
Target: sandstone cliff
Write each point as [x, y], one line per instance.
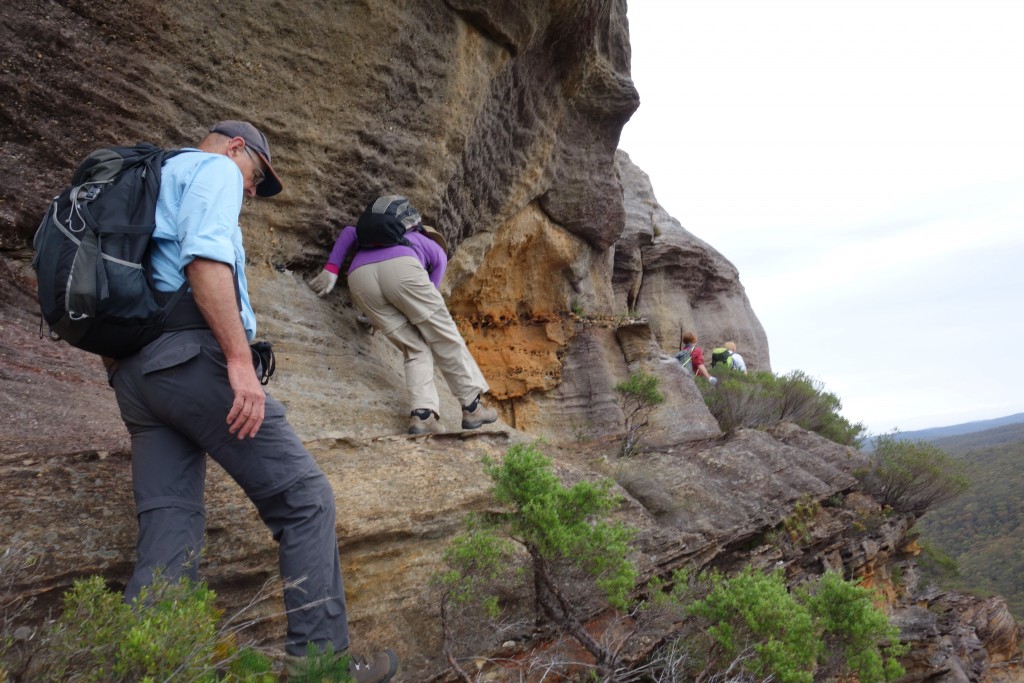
[500, 121]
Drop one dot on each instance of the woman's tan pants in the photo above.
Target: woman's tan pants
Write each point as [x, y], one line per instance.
[401, 301]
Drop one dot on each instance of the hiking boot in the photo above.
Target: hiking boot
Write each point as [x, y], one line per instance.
[379, 667]
[425, 421]
[476, 414]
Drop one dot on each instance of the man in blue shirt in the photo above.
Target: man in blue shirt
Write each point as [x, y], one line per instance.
[194, 390]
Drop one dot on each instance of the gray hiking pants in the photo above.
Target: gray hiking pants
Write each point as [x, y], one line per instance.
[174, 398]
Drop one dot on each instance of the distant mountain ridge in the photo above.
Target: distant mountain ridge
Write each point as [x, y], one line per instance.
[935, 433]
[997, 436]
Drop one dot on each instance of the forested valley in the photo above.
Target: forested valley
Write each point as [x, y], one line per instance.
[982, 530]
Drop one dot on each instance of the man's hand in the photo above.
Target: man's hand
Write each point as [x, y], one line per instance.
[323, 283]
[213, 286]
[248, 409]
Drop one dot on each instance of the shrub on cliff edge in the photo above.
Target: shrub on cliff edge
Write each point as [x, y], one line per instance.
[761, 399]
[830, 628]
[912, 476]
[170, 632]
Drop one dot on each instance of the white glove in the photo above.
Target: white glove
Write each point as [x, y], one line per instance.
[323, 283]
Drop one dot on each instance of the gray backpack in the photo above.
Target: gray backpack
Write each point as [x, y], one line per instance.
[685, 357]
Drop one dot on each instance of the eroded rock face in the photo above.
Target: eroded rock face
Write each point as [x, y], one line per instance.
[468, 110]
[677, 281]
[957, 637]
[53, 399]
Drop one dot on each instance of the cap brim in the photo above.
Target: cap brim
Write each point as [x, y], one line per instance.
[438, 238]
[271, 184]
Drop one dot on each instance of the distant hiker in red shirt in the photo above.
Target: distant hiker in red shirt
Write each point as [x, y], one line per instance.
[692, 357]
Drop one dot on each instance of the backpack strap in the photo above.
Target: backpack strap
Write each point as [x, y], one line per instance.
[182, 310]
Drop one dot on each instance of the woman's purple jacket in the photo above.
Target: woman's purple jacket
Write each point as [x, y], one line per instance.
[423, 249]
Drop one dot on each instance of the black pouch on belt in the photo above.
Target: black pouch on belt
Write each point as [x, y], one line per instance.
[263, 360]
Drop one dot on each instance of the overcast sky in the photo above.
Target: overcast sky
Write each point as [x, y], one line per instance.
[862, 165]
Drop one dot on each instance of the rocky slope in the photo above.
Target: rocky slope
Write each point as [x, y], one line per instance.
[500, 121]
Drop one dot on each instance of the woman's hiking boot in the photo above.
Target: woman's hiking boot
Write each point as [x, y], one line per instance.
[476, 414]
[425, 421]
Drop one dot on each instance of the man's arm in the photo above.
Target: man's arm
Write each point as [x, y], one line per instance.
[213, 286]
[697, 356]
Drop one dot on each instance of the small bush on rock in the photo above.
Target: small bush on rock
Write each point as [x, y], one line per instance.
[857, 636]
[553, 539]
[550, 558]
[639, 396]
[755, 608]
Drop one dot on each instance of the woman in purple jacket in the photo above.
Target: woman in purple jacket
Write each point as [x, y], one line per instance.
[394, 278]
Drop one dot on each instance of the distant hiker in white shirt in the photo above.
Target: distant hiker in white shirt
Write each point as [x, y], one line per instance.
[737, 360]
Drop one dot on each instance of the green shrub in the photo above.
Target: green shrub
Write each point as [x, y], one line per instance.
[761, 399]
[756, 609]
[752, 621]
[476, 559]
[798, 524]
[249, 666]
[896, 575]
[937, 565]
[171, 629]
[742, 401]
[831, 627]
[321, 667]
[639, 396]
[912, 476]
[560, 535]
[855, 632]
[170, 632]
[553, 521]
